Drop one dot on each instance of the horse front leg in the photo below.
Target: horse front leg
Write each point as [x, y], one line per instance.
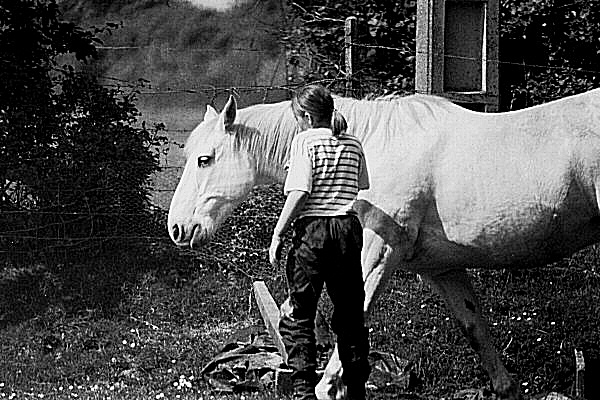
[456, 290]
[377, 266]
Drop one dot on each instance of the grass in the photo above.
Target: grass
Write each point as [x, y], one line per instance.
[170, 319]
[143, 323]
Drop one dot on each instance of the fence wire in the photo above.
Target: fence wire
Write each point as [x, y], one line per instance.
[247, 231]
[33, 235]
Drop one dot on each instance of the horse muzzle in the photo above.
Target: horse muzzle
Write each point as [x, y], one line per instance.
[184, 236]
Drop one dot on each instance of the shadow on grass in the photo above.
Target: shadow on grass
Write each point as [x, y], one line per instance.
[96, 281]
[99, 275]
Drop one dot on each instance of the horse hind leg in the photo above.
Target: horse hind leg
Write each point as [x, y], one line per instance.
[377, 262]
[456, 290]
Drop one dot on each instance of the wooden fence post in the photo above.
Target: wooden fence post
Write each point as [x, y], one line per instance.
[579, 386]
[270, 314]
[349, 39]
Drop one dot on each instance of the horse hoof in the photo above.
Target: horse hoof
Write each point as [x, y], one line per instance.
[330, 391]
[325, 392]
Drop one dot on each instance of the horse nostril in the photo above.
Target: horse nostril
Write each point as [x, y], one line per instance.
[177, 232]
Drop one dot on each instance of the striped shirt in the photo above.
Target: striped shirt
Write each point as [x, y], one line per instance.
[331, 169]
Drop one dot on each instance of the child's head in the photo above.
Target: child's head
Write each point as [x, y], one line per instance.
[313, 108]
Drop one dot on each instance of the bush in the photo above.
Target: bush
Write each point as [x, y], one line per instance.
[74, 162]
[385, 31]
[549, 50]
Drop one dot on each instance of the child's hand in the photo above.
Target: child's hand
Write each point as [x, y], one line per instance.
[275, 250]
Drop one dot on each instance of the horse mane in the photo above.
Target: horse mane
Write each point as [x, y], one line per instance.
[388, 117]
[267, 130]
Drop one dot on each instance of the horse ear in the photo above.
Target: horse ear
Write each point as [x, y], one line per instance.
[210, 113]
[229, 112]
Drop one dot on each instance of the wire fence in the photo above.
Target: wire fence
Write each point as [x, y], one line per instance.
[165, 103]
[289, 77]
[35, 237]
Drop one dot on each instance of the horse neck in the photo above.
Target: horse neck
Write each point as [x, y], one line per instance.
[266, 131]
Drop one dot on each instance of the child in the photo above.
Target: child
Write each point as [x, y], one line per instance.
[326, 171]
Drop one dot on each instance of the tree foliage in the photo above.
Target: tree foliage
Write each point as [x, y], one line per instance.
[385, 35]
[548, 48]
[72, 155]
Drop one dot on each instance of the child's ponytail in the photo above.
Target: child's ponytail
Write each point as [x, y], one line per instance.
[339, 126]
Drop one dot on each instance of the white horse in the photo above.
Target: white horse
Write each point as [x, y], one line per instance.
[451, 189]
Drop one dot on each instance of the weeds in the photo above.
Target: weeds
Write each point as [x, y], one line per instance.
[142, 325]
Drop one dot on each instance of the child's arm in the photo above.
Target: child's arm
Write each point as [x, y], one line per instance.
[293, 204]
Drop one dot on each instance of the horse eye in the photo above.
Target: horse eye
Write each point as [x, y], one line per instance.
[203, 161]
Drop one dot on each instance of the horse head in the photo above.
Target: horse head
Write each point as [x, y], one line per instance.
[218, 175]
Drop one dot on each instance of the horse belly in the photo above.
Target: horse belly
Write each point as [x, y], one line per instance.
[512, 207]
[528, 231]
[526, 237]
